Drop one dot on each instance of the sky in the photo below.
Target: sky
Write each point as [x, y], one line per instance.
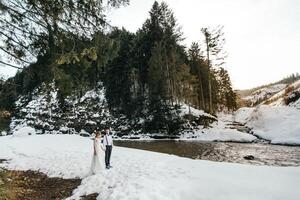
[262, 36]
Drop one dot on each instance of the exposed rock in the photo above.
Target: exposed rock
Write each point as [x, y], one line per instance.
[249, 157]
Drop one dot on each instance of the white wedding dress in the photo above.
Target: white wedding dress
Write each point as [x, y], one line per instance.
[97, 165]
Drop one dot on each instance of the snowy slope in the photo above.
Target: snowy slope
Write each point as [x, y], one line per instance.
[216, 131]
[279, 124]
[143, 175]
[218, 134]
[41, 110]
[242, 115]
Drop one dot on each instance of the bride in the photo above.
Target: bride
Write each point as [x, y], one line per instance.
[98, 157]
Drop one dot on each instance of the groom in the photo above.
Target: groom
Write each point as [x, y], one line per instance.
[108, 144]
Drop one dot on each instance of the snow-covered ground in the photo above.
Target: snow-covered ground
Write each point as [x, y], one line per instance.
[143, 175]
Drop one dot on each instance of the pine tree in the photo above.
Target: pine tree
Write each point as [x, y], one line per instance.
[119, 75]
[198, 68]
[215, 55]
[227, 97]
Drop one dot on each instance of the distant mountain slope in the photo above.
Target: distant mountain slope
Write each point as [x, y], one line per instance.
[289, 96]
[266, 94]
[262, 94]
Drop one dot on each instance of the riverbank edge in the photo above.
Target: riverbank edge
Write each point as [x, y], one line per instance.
[259, 141]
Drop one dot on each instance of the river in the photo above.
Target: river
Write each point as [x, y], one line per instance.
[264, 154]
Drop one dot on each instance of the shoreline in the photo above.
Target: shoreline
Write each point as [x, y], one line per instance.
[266, 142]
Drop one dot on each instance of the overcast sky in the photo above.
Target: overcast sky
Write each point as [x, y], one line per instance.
[262, 36]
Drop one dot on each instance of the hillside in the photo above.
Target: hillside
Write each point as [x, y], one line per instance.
[269, 93]
[289, 96]
[262, 94]
[39, 113]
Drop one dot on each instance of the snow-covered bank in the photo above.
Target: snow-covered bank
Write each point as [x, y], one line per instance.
[138, 174]
[278, 124]
[219, 132]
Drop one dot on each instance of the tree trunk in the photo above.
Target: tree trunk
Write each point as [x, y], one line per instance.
[201, 96]
[209, 75]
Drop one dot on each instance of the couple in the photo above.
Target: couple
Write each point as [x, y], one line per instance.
[99, 149]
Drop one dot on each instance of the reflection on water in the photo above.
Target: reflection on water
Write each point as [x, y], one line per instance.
[265, 154]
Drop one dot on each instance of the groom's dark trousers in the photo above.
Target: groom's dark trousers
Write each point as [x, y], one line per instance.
[107, 155]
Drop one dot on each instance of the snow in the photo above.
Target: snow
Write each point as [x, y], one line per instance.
[94, 94]
[279, 124]
[138, 174]
[64, 129]
[40, 109]
[3, 133]
[218, 134]
[185, 110]
[218, 131]
[40, 103]
[24, 131]
[243, 114]
[84, 132]
[90, 122]
[96, 115]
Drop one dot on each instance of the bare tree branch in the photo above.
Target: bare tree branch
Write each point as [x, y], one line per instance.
[10, 65]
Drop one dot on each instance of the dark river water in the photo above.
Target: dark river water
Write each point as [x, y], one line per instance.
[264, 154]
